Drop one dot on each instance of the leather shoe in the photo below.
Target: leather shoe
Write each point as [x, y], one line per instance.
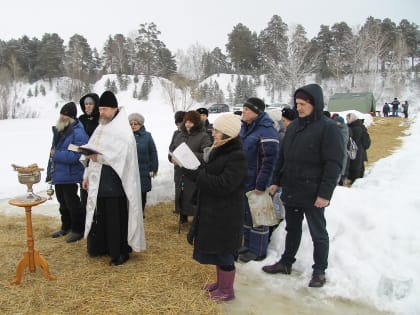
[277, 268]
[248, 256]
[118, 261]
[317, 281]
[59, 233]
[74, 237]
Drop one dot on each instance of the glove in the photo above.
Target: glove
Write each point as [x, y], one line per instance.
[191, 235]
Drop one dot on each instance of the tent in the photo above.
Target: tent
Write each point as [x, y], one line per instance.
[362, 102]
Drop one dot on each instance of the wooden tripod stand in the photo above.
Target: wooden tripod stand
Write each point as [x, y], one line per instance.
[31, 258]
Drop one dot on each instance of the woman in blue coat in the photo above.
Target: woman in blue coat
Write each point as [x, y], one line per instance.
[146, 154]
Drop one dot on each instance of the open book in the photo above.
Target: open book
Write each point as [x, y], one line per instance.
[184, 157]
[83, 149]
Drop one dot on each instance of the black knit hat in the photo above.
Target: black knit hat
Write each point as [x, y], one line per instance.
[288, 113]
[203, 110]
[69, 110]
[108, 99]
[255, 104]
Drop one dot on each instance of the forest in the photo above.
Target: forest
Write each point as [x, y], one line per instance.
[282, 53]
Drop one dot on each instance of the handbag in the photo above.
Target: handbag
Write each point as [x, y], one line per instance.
[261, 208]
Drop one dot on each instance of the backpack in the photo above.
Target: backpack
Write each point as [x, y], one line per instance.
[351, 149]
[365, 138]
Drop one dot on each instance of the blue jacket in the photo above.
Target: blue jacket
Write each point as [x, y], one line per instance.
[64, 165]
[261, 145]
[147, 157]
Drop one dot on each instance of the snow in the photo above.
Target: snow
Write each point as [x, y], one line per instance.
[373, 226]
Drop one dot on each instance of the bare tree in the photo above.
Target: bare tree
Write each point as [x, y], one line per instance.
[301, 60]
[179, 92]
[190, 63]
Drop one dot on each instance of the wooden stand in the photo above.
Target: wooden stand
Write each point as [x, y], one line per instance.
[31, 258]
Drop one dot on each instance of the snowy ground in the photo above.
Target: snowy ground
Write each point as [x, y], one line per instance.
[373, 227]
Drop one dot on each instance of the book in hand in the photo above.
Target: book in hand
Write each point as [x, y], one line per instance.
[83, 149]
[184, 157]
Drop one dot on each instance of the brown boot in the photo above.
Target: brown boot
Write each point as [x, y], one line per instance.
[317, 281]
[277, 268]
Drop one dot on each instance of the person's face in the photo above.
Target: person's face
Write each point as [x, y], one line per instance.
[89, 106]
[106, 114]
[64, 119]
[203, 117]
[188, 125]
[248, 115]
[135, 126]
[217, 135]
[303, 108]
[348, 118]
[286, 121]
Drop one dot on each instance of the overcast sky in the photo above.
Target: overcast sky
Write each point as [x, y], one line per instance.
[185, 22]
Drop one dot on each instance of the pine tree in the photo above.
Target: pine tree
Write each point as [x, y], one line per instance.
[135, 92]
[50, 63]
[145, 88]
[242, 48]
[29, 94]
[148, 45]
[78, 61]
[411, 35]
[42, 90]
[108, 84]
[113, 88]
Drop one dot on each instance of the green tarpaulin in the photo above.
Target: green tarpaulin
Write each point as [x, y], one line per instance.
[362, 102]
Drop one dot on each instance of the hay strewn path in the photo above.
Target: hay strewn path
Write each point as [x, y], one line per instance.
[162, 280]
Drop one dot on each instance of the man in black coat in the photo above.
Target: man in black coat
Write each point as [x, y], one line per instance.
[311, 159]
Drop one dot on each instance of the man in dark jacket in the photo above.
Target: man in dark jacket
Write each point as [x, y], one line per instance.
[65, 171]
[261, 145]
[204, 115]
[395, 105]
[311, 161]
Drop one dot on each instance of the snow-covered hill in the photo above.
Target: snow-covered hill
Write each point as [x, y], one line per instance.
[373, 226]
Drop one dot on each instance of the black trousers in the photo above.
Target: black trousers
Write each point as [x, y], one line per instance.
[108, 234]
[318, 230]
[73, 215]
[143, 200]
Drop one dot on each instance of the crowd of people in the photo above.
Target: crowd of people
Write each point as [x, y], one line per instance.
[394, 108]
[302, 157]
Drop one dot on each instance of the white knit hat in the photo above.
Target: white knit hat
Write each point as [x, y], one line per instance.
[229, 124]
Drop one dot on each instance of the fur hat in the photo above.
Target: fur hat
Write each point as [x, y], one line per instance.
[179, 116]
[203, 110]
[255, 104]
[69, 110]
[108, 99]
[288, 113]
[136, 117]
[192, 116]
[228, 124]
